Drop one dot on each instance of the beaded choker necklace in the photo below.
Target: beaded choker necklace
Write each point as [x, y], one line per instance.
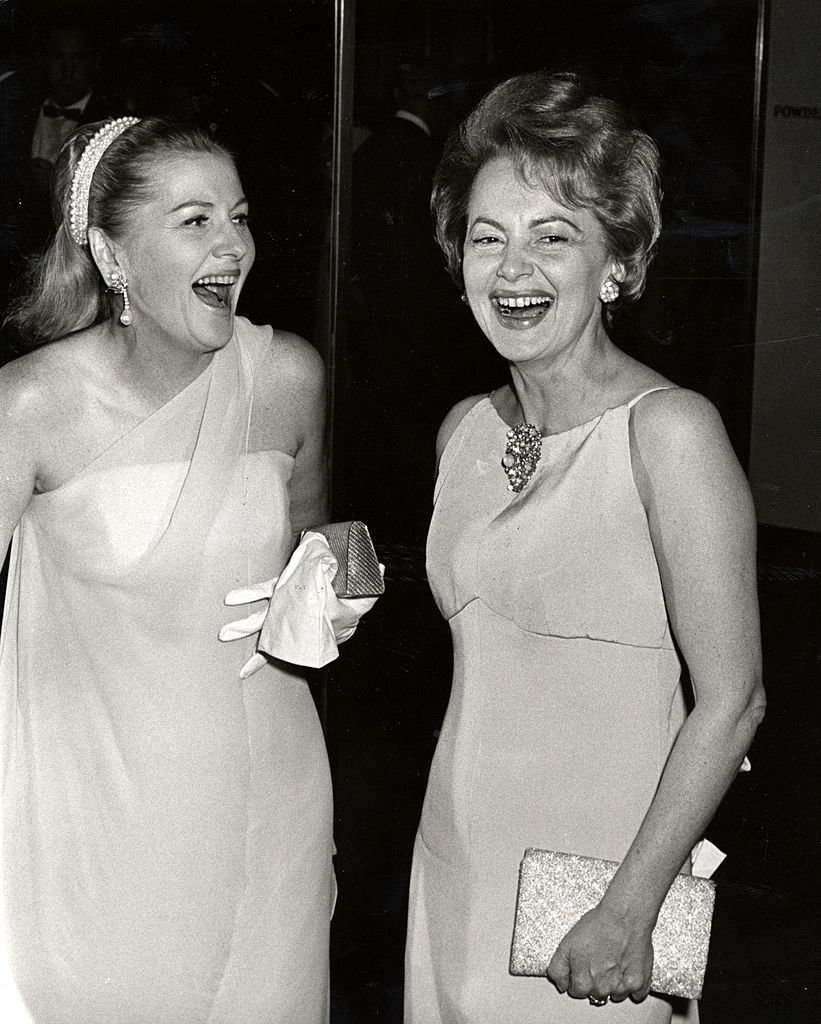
[522, 454]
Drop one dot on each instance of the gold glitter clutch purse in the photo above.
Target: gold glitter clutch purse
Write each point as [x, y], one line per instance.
[358, 572]
[556, 889]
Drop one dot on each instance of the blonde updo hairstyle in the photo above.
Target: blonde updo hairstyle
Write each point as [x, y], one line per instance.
[64, 291]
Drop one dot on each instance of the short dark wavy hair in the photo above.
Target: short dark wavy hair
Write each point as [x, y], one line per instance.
[581, 147]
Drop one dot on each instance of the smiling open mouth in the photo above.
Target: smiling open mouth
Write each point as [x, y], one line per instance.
[522, 307]
[215, 289]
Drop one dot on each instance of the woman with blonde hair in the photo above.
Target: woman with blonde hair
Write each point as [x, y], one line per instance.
[166, 814]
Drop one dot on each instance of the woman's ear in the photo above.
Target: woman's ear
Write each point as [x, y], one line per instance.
[103, 253]
[618, 272]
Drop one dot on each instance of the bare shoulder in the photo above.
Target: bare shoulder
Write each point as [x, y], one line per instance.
[31, 386]
[452, 421]
[51, 375]
[678, 444]
[27, 400]
[287, 363]
[289, 392]
[672, 420]
[297, 355]
[50, 400]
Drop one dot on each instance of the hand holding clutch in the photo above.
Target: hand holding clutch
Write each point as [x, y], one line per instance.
[304, 620]
[358, 573]
[557, 889]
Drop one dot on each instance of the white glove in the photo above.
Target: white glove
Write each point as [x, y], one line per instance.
[241, 628]
[303, 621]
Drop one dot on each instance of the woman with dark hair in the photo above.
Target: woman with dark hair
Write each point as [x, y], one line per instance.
[166, 814]
[591, 525]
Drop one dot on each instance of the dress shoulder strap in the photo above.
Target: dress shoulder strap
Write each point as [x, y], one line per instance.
[461, 432]
[649, 391]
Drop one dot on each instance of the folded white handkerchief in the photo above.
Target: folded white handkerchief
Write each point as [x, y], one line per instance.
[705, 858]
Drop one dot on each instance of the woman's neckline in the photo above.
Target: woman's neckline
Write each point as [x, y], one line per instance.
[585, 423]
[555, 433]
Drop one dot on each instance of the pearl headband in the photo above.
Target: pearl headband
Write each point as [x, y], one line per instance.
[84, 172]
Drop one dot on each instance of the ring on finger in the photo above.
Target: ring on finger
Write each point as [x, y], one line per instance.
[598, 1002]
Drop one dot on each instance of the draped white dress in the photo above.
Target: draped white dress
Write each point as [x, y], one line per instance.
[166, 827]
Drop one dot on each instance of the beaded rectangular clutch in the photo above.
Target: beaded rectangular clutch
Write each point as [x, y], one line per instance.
[556, 889]
[358, 572]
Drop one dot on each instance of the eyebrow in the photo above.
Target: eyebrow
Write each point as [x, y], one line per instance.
[204, 203]
[539, 222]
[550, 220]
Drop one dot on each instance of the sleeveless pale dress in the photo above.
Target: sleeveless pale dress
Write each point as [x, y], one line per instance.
[167, 827]
[566, 700]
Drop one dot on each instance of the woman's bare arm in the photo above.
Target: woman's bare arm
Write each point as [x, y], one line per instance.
[20, 416]
[289, 413]
[703, 528]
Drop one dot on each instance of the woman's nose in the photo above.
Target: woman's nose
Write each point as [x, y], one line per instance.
[516, 263]
[233, 241]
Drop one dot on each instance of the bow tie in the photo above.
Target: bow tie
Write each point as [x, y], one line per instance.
[71, 113]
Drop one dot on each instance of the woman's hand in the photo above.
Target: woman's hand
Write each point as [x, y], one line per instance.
[302, 621]
[602, 957]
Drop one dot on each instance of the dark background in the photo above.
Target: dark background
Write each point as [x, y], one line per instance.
[404, 351]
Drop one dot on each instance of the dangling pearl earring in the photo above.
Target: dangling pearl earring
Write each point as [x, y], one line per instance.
[119, 285]
[609, 291]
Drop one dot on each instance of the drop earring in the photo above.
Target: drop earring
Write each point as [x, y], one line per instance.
[609, 291]
[119, 285]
